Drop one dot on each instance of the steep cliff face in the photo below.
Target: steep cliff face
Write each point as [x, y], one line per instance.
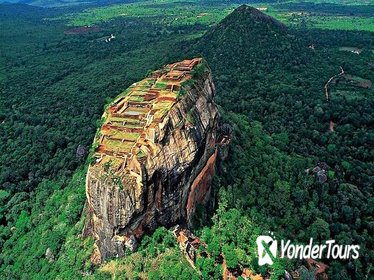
[155, 157]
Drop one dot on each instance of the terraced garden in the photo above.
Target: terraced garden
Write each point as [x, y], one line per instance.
[128, 132]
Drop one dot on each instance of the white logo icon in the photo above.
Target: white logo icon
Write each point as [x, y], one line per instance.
[267, 249]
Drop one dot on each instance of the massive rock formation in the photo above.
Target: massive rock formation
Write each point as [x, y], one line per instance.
[154, 157]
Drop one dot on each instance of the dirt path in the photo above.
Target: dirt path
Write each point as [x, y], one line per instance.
[330, 80]
[332, 124]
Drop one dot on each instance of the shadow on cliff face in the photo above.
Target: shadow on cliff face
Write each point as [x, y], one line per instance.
[202, 217]
[204, 211]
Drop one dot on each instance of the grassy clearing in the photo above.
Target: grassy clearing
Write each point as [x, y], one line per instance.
[343, 23]
[124, 135]
[118, 146]
[167, 12]
[325, 20]
[122, 119]
[171, 13]
[350, 49]
[350, 95]
[329, 22]
[161, 85]
[137, 98]
[357, 81]
[341, 2]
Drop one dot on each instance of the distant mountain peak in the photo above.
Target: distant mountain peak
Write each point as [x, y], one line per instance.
[245, 8]
[245, 34]
[250, 11]
[245, 14]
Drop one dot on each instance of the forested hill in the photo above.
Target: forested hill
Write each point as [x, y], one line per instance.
[246, 17]
[270, 83]
[19, 9]
[250, 42]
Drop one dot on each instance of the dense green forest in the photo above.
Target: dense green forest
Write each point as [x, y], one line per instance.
[270, 87]
[281, 87]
